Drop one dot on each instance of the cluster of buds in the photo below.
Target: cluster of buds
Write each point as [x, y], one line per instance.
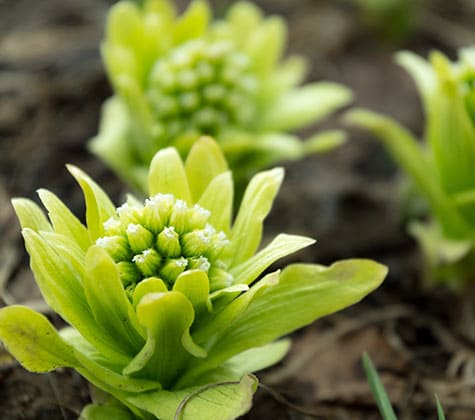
[201, 87]
[177, 77]
[163, 240]
[167, 308]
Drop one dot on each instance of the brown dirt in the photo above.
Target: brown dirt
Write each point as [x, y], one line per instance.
[51, 86]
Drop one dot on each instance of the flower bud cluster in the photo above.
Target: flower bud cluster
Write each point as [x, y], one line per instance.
[164, 238]
[201, 87]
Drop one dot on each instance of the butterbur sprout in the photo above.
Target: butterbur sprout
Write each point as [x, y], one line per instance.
[169, 308]
[177, 77]
[442, 167]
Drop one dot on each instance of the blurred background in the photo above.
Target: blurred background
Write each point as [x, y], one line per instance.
[52, 84]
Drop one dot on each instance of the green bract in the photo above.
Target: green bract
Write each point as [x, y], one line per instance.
[167, 314]
[179, 77]
[442, 168]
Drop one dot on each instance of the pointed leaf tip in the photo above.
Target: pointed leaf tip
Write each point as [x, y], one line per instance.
[204, 163]
[167, 175]
[255, 206]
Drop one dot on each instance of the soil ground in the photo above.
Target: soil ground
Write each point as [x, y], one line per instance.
[52, 85]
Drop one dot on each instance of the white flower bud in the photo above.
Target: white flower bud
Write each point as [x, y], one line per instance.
[199, 263]
[112, 226]
[195, 243]
[128, 272]
[173, 268]
[168, 242]
[198, 216]
[116, 246]
[139, 238]
[148, 262]
[179, 216]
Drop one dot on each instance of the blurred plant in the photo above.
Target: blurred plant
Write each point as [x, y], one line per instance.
[167, 317]
[392, 19]
[179, 77]
[380, 395]
[442, 169]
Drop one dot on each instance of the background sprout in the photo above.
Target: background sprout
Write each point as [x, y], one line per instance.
[442, 167]
[177, 77]
[168, 310]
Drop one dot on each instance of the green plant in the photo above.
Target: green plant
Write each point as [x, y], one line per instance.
[380, 395]
[167, 315]
[178, 77]
[442, 167]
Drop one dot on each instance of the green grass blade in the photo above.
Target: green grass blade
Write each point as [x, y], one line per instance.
[378, 390]
[440, 410]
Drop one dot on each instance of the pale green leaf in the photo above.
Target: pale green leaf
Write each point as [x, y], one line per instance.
[194, 284]
[405, 150]
[99, 369]
[111, 144]
[105, 412]
[119, 62]
[264, 150]
[303, 294]
[167, 175]
[265, 45]
[124, 24]
[211, 329]
[141, 126]
[233, 290]
[33, 341]
[259, 358]
[67, 250]
[281, 246]
[255, 205]
[30, 215]
[99, 208]
[220, 320]
[421, 72]
[324, 141]
[167, 318]
[224, 401]
[439, 249]
[63, 292]
[163, 8]
[286, 75]
[90, 368]
[149, 285]
[218, 199]
[125, 33]
[108, 301]
[272, 147]
[244, 17]
[59, 284]
[304, 105]
[451, 134]
[193, 23]
[64, 222]
[204, 162]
